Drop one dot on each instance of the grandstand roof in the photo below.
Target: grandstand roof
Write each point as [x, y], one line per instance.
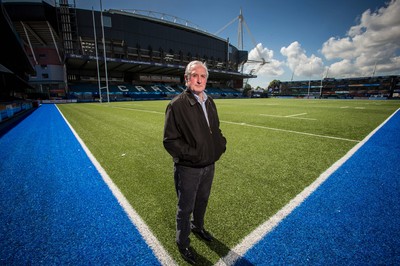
[17, 61]
[165, 19]
[39, 20]
[15, 65]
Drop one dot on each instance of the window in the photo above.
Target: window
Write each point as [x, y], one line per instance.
[107, 21]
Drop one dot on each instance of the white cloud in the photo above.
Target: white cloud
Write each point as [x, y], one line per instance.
[374, 43]
[272, 67]
[344, 66]
[300, 64]
[371, 46]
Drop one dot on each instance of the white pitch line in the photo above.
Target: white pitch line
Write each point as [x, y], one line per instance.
[295, 115]
[290, 131]
[159, 251]
[260, 232]
[290, 116]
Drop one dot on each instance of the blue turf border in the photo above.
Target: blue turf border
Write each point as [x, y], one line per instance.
[353, 218]
[54, 206]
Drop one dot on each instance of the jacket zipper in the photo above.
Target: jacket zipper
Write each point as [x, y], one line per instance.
[209, 122]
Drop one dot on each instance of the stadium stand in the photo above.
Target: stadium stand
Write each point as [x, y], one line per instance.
[14, 69]
[381, 87]
[142, 56]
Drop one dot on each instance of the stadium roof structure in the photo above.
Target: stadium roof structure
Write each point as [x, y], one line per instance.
[88, 62]
[17, 61]
[162, 18]
[13, 66]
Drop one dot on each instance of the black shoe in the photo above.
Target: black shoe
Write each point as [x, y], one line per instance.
[203, 234]
[188, 255]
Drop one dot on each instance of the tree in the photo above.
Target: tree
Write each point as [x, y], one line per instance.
[274, 87]
[274, 84]
[246, 90]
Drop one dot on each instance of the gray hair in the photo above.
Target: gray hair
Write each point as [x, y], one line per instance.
[193, 64]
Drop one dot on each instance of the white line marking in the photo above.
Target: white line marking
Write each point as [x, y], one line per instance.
[347, 107]
[291, 116]
[295, 115]
[159, 251]
[290, 131]
[261, 231]
[273, 115]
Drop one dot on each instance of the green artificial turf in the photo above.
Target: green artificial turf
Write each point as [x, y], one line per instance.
[276, 148]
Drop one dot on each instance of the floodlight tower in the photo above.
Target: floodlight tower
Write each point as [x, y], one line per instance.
[240, 31]
[240, 45]
[104, 51]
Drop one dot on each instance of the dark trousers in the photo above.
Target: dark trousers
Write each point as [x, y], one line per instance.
[193, 187]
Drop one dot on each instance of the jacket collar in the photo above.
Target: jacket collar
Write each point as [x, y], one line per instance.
[192, 99]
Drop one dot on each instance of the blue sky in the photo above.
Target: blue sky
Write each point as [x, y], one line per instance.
[305, 40]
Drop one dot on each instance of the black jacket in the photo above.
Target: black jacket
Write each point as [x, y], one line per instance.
[187, 136]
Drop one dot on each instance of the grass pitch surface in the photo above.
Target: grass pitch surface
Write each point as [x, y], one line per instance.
[276, 148]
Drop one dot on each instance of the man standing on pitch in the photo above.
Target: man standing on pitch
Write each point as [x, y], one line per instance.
[194, 140]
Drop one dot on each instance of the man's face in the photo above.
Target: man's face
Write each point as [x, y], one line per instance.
[197, 79]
